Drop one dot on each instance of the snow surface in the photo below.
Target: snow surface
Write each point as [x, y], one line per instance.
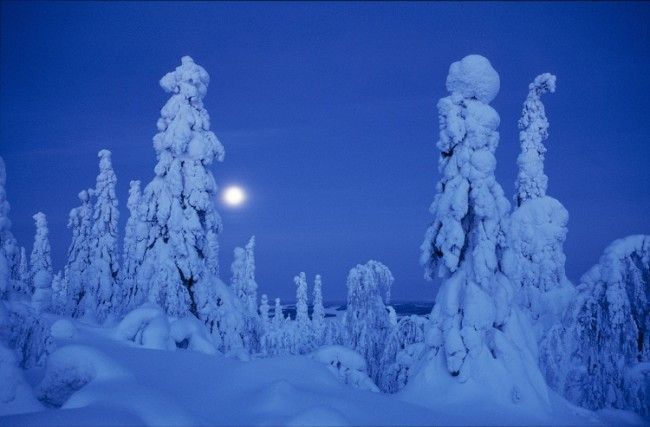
[121, 384]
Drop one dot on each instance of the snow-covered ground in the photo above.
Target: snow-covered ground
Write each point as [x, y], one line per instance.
[130, 385]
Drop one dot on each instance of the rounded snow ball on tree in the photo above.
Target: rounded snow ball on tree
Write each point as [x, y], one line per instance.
[473, 77]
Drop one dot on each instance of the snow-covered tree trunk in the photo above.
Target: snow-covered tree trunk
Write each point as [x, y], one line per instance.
[366, 317]
[475, 332]
[180, 263]
[599, 356]
[318, 313]
[80, 223]
[9, 253]
[41, 265]
[102, 296]
[534, 259]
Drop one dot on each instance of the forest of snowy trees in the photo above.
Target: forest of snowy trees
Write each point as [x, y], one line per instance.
[506, 321]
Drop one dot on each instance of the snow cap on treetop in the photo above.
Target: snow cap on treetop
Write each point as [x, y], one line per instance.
[104, 159]
[473, 77]
[543, 83]
[189, 79]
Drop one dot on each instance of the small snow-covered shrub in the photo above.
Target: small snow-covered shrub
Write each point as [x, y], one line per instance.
[347, 365]
[146, 326]
[190, 333]
[71, 368]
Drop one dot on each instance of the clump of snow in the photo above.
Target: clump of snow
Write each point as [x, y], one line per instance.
[63, 329]
[72, 367]
[146, 326]
[347, 365]
[190, 333]
[473, 77]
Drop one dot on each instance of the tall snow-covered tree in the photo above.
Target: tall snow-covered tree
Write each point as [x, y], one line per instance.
[243, 276]
[278, 315]
[599, 356]
[475, 331]
[318, 313]
[245, 288]
[21, 280]
[41, 265]
[303, 331]
[135, 240]
[9, 253]
[80, 223]
[59, 294]
[534, 259]
[102, 295]
[180, 262]
[264, 313]
[366, 318]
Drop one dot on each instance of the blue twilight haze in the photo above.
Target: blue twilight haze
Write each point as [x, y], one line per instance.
[327, 112]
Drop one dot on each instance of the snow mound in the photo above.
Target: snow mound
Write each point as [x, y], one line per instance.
[146, 326]
[71, 368]
[318, 416]
[473, 77]
[191, 334]
[63, 329]
[347, 365]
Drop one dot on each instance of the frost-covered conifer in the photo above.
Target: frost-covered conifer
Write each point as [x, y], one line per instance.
[59, 294]
[366, 317]
[264, 313]
[135, 240]
[21, 281]
[180, 263]
[303, 329]
[102, 296]
[80, 223]
[535, 258]
[245, 288]
[278, 315]
[599, 356]
[243, 276]
[28, 334]
[41, 265]
[9, 254]
[475, 330]
[318, 313]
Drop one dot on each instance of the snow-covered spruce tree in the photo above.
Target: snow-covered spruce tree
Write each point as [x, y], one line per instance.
[180, 262]
[41, 265]
[280, 338]
[245, 288]
[243, 276]
[318, 312]
[599, 356]
[366, 318]
[102, 295]
[9, 254]
[534, 259]
[27, 333]
[59, 295]
[21, 279]
[303, 331]
[80, 223]
[264, 313]
[403, 350]
[135, 240]
[476, 331]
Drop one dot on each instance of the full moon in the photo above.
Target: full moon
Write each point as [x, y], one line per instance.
[234, 195]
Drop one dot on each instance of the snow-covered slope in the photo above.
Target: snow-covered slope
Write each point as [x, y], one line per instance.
[131, 385]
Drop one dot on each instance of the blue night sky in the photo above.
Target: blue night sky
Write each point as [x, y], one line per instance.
[327, 113]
